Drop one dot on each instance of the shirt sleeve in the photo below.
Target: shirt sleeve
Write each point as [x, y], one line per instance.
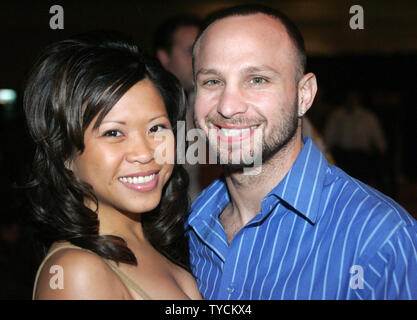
[391, 273]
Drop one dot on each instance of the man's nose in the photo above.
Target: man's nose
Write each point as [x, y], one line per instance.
[231, 102]
[139, 150]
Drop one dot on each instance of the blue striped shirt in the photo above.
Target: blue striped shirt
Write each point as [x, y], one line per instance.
[320, 234]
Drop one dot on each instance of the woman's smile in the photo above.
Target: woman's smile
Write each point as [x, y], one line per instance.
[141, 181]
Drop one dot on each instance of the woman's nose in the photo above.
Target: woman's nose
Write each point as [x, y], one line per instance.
[140, 151]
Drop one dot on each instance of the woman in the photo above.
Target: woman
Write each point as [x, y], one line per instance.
[107, 198]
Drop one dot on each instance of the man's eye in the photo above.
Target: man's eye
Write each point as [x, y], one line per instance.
[158, 127]
[257, 80]
[212, 82]
[112, 133]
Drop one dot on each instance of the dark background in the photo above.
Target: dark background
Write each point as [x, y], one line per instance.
[380, 61]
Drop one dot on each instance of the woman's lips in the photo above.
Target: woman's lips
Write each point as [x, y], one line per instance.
[142, 182]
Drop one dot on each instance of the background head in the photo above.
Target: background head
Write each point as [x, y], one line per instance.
[173, 43]
[74, 83]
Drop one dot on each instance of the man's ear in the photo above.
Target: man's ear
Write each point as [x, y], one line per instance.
[163, 57]
[307, 88]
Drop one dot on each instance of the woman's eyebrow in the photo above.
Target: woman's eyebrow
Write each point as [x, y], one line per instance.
[124, 122]
[157, 117]
[114, 121]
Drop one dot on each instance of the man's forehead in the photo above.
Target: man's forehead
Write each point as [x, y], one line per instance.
[237, 30]
[253, 39]
[230, 27]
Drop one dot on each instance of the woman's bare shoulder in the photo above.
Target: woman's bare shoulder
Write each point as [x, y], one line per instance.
[74, 274]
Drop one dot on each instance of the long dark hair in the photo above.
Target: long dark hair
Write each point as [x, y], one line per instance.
[72, 82]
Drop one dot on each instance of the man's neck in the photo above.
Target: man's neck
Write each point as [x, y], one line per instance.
[247, 191]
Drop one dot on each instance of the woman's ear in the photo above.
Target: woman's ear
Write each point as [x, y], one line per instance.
[307, 88]
[68, 164]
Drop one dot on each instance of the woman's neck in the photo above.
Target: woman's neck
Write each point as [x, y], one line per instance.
[123, 224]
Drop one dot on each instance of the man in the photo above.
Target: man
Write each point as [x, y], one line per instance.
[357, 139]
[174, 40]
[301, 228]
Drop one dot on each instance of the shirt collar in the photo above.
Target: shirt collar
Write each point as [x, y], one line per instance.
[302, 186]
[300, 189]
[210, 203]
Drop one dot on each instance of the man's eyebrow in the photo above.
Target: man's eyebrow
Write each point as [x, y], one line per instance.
[246, 70]
[261, 68]
[207, 71]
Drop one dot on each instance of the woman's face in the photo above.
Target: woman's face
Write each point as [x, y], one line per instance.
[125, 159]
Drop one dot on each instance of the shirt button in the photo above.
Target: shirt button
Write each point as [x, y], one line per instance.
[230, 289]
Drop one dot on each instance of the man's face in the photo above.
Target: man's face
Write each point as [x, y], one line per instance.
[246, 85]
[180, 57]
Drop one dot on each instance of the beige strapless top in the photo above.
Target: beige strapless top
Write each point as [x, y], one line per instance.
[123, 276]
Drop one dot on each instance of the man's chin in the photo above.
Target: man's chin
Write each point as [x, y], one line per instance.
[240, 164]
[236, 168]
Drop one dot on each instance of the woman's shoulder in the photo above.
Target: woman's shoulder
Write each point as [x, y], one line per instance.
[74, 273]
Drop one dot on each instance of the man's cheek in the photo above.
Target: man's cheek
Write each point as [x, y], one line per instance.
[199, 112]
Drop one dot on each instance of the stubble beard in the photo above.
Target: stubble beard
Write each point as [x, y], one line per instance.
[281, 134]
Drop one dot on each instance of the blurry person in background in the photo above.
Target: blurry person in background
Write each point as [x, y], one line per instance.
[356, 139]
[173, 43]
[108, 202]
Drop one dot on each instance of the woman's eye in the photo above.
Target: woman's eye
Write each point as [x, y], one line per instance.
[158, 127]
[257, 80]
[112, 133]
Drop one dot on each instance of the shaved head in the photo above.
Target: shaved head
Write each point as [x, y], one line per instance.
[283, 24]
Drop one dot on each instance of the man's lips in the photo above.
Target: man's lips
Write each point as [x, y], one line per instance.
[234, 126]
[234, 133]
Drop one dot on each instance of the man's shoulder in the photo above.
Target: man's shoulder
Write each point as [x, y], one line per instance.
[352, 192]
[372, 216]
